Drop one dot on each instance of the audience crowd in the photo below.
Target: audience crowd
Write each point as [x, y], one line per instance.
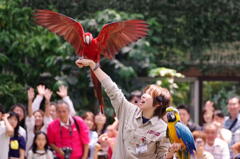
[46, 129]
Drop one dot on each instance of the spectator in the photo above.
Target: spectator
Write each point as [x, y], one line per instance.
[209, 106]
[21, 111]
[88, 117]
[53, 110]
[224, 133]
[142, 132]
[236, 150]
[68, 132]
[40, 147]
[207, 116]
[135, 97]
[100, 121]
[62, 92]
[217, 147]
[108, 140]
[1, 112]
[185, 118]
[17, 144]
[37, 120]
[6, 131]
[200, 141]
[232, 122]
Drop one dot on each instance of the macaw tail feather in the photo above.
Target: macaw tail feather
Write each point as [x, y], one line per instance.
[98, 91]
[183, 154]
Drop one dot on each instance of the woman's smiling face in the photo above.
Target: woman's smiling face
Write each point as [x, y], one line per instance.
[146, 101]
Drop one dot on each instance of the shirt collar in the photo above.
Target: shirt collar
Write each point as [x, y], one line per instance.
[70, 121]
[154, 120]
[139, 114]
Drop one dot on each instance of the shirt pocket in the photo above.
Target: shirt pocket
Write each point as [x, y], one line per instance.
[151, 141]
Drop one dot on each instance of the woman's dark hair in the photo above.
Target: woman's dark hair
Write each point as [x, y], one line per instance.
[22, 122]
[34, 145]
[205, 111]
[218, 113]
[184, 107]
[164, 103]
[13, 114]
[161, 99]
[92, 116]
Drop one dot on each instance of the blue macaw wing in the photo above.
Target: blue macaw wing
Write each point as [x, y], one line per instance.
[185, 134]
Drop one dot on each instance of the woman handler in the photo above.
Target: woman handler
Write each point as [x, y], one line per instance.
[142, 132]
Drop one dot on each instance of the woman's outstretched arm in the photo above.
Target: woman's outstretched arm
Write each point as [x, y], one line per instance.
[118, 100]
[94, 67]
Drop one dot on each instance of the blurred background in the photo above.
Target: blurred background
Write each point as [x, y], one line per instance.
[192, 49]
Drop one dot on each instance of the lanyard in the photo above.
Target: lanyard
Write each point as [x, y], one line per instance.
[69, 128]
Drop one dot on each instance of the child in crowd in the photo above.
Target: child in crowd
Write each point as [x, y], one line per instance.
[40, 147]
[17, 144]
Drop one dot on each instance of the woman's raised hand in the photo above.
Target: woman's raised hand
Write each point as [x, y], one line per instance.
[85, 62]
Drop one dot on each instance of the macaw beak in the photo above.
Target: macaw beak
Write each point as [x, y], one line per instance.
[171, 117]
[87, 40]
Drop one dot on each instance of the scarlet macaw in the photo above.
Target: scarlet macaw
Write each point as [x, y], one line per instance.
[180, 133]
[110, 40]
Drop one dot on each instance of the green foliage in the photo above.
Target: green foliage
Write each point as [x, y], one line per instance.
[181, 33]
[165, 77]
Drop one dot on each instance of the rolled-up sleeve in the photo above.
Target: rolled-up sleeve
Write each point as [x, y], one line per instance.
[118, 100]
[70, 104]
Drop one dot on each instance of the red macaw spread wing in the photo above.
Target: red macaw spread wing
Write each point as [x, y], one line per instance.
[71, 30]
[115, 36]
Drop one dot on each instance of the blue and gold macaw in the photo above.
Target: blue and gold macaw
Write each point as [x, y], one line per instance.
[180, 133]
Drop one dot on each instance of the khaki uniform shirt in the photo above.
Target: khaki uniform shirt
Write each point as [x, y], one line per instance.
[135, 140]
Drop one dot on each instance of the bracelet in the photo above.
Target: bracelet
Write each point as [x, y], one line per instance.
[96, 67]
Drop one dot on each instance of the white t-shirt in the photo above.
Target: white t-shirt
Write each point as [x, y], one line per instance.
[40, 155]
[22, 132]
[4, 141]
[219, 149]
[30, 124]
[93, 141]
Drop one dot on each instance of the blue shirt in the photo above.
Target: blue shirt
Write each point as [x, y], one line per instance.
[16, 143]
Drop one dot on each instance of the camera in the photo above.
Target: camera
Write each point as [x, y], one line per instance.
[67, 152]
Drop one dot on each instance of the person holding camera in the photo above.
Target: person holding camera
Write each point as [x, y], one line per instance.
[68, 135]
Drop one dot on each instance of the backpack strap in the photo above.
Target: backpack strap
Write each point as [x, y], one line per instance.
[233, 124]
[77, 125]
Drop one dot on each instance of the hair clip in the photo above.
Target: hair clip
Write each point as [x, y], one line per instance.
[160, 99]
